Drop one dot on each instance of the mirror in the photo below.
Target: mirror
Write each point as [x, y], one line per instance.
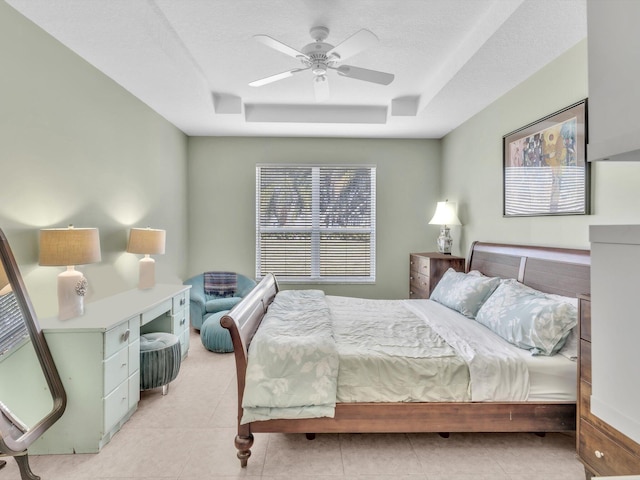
[32, 396]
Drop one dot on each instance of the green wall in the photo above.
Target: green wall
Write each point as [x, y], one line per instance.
[472, 165]
[76, 148]
[222, 214]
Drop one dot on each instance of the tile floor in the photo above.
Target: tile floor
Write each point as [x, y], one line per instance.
[188, 435]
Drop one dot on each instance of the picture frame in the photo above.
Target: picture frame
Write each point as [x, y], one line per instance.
[545, 168]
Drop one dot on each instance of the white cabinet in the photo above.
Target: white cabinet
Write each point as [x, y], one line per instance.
[98, 357]
[615, 327]
[614, 97]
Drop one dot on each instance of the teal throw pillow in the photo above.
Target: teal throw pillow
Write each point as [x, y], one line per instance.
[463, 292]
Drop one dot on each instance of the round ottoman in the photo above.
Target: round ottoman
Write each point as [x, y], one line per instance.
[214, 336]
[160, 356]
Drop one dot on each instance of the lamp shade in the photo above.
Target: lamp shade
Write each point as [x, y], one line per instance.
[69, 246]
[147, 241]
[445, 214]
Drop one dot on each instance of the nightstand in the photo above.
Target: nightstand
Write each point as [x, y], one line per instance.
[426, 270]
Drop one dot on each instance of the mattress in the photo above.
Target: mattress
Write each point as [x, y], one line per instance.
[385, 378]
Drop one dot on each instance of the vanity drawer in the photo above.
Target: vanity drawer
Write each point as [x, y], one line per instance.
[116, 338]
[157, 311]
[116, 405]
[180, 322]
[116, 370]
[180, 301]
[134, 389]
[606, 456]
[134, 357]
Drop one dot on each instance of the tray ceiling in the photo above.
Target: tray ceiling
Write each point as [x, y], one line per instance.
[192, 60]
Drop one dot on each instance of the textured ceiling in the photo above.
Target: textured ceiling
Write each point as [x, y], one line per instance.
[192, 60]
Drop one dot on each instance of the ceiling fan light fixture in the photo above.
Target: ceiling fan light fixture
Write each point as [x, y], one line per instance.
[319, 57]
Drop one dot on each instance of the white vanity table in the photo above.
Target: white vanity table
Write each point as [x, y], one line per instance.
[98, 358]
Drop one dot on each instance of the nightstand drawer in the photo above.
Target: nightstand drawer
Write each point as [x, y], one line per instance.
[418, 281]
[604, 455]
[419, 264]
[585, 361]
[585, 319]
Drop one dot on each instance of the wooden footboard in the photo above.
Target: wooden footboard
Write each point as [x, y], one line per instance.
[562, 271]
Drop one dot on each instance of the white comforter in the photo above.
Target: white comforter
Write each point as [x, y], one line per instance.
[372, 351]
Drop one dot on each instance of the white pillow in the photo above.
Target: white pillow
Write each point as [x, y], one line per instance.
[528, 318]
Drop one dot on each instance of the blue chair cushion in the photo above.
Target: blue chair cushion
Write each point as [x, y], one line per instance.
[222, 303]
[214, 336]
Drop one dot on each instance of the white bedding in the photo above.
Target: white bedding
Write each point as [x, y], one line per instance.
[386, 351]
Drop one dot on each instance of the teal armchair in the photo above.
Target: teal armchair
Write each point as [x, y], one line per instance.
[202, 305]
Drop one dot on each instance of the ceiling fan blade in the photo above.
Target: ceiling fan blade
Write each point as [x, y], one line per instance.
[364, 74]
[278, 45]
[276, 77]
[354, 44]
[321, 88]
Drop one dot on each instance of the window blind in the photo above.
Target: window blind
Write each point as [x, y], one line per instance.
[316, 223]
[12, 326]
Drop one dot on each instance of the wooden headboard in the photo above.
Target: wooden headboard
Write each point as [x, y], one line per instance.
[562, 271]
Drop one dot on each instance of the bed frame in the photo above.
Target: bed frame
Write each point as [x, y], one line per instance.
[552, 270]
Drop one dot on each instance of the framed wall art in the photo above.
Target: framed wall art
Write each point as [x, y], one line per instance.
[545, 166]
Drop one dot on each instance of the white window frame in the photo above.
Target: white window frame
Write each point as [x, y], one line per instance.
[316, 231]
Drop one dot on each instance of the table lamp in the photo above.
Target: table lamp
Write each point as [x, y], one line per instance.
[445, 215]
[69, 247]
[146, 241]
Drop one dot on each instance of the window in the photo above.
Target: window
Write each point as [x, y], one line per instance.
[316, 223]
[13, 329]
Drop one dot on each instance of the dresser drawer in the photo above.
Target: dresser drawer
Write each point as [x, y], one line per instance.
[116, 370]
[116, 405]
[604, 455]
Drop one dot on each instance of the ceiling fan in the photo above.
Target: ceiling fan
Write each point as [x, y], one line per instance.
[320, 57]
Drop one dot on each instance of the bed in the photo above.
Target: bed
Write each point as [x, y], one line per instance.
[559, 271]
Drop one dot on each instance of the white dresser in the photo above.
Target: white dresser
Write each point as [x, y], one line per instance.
[98, 357]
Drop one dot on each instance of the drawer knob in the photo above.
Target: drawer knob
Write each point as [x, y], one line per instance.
[182, 322]
[599, 454]
[125, 335]
[182, 301]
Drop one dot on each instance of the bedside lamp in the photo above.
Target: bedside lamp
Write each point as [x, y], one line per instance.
[60, 247]
[445, 215]
[146, 241]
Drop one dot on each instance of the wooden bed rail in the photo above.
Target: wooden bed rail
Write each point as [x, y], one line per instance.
[242, 322]
[553, 270]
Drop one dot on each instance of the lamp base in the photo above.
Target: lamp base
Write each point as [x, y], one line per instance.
[71, 289]
[444, 241]
[147, 273]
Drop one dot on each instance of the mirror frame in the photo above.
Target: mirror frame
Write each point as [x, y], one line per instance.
[15, 437]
